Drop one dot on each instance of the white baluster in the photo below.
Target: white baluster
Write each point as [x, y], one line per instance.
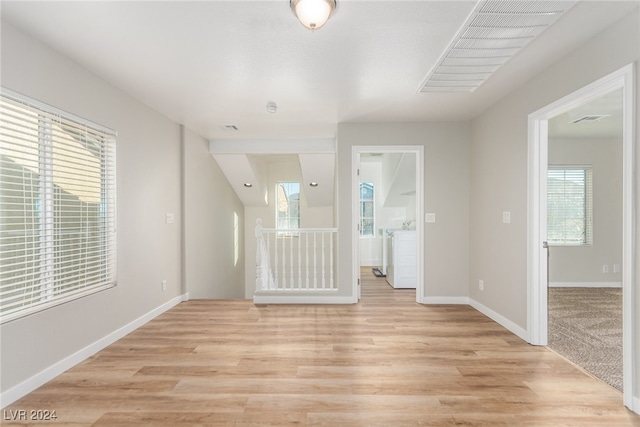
[284, 263]
[276, 279]
[269, 278]
[306, 242]
[315, 261]
[331, 260]
[258, 231]
[291, 282]
[299, 262]
[323, 272]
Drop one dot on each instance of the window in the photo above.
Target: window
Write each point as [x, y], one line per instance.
[569, 206]
[366, 209]
[288, 205]
[57, 207]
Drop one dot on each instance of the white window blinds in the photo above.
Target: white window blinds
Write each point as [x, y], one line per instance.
[569, 206]
[57, 207]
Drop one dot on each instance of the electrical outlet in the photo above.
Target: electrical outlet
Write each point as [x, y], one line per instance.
[605, 268]
[164, 285]
[481, 285]
[616, 268]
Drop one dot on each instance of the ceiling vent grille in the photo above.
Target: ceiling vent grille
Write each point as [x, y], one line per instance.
[494, 32]
[590, 118]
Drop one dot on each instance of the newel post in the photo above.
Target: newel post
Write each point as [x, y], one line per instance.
[259, 284]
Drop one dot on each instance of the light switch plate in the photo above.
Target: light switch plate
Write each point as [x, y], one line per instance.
[170, 218]
[506, 217]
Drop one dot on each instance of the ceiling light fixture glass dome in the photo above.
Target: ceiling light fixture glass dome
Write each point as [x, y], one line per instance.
[313, 14]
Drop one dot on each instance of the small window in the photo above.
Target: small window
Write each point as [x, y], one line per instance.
[57, 207]
[288, 207]
[367, 206]
[569, 206]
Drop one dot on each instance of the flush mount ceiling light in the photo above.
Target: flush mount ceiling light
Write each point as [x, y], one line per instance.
[313, 14]
[313, 184]
[495, 32]
[248, 184]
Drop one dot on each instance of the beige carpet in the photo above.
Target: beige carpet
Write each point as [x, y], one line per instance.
[585, 326]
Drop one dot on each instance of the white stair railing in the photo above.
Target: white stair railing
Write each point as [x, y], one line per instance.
[295, 259]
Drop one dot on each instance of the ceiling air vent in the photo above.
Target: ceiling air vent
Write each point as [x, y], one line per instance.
[494, 32]
[591, 118]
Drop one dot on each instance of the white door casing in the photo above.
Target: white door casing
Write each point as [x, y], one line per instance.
[418, 150]
[537, 314]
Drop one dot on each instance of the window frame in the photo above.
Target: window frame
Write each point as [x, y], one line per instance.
[372, 201]
[587, 217]
[65, 144]
[288, 231]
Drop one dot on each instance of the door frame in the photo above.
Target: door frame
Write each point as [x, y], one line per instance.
[356, 151]
[537, 310]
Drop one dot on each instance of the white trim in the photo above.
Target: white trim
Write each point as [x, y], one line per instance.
[585, 284]
[16, 392]
[499, 319]
[635, 405]
[630, 289]
[370, 262]
[536, 219]
[272, 146]
[302, 299]
[355, 217]
[418, 150]
[447, 300]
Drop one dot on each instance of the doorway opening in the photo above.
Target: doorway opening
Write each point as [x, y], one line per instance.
[538, 233]
[388, 240]
[584, 236]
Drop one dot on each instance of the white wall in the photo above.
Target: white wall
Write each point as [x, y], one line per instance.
[39, 346]
[278, 170]
[583, 264]
[499, 167]
[499, 170]
[214, 226]
[446, 193]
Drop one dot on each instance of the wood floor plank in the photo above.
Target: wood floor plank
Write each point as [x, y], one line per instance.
[386, 361]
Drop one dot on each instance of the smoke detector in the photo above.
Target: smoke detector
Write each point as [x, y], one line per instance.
[272, 107]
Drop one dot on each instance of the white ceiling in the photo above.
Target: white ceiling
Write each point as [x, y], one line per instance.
[610, 126]
[207, 64]
[210, 64]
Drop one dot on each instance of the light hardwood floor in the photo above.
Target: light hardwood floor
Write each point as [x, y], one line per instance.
[386, 361]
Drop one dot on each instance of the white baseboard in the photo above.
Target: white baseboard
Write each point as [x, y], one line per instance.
[446, 300]
[498, 318]
[370, 263]
[585, 284]
[16, 392]
[302, 299]
[501, 320]
[636, 405]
